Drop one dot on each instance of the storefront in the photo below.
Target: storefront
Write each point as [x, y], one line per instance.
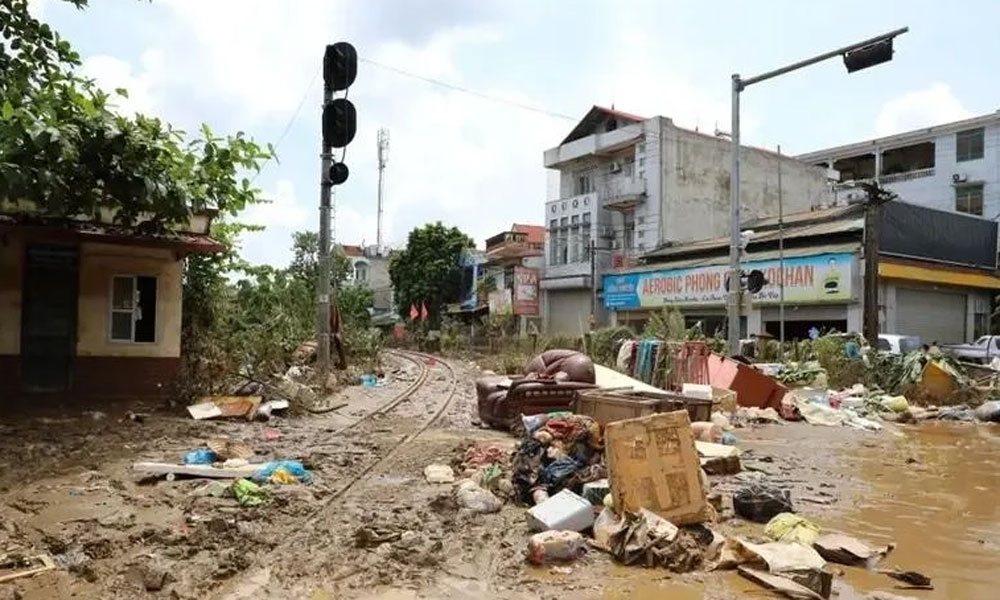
[821, 290]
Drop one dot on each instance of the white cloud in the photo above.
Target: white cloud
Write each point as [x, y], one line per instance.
[921, 108]
[283, 208]
[111, 73]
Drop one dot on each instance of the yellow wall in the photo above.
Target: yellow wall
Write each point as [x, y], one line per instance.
[11, 260]
[99, 263]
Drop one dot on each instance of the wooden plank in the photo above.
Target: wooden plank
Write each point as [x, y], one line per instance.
[781, 585]
[155, 468]
[47, 565]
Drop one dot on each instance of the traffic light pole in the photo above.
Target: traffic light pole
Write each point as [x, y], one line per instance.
[323, 287]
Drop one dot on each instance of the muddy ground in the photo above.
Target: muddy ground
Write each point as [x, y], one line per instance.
[67, 489]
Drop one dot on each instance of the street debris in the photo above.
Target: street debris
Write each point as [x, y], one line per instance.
[789, 527]
[561, 450]
[172, 470]
[564, 511]
[226, 448]
[475, 499]
[912, 578]
[760, 502]
[439, 474]
[843, 549]
[28, 566]
[283, 471]
[777, 583]
[248, 493]
[653, 464]
[556, 546]
[212, 407]
[796, 562]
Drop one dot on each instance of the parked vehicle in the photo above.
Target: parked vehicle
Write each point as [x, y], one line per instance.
[898, 344]
[981, 351]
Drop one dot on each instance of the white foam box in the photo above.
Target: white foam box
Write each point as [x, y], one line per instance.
[564, 511]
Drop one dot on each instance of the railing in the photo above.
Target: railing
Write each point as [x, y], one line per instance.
[897, 177]
[621, 189]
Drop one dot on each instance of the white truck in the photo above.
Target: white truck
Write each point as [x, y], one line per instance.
[982, 351]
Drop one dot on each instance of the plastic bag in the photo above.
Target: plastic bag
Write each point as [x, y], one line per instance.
[789, 527]
[760, 502]
[475, 498]
[201, 456]
[550, 546]
[293, 468]
[248, 493]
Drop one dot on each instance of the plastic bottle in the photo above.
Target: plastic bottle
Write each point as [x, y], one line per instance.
[556, 546]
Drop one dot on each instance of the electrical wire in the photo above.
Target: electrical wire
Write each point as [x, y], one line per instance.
[288, 125]
[465, 90]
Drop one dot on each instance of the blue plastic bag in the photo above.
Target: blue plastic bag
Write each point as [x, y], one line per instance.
[201, 456]
[292, 466]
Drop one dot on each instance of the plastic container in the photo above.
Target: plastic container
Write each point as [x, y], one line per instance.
[556, 546]
[564, 511]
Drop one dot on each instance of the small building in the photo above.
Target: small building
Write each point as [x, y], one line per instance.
[938, 274]
[92, 309]
[628, 184]
[514, 259]
[370, 267]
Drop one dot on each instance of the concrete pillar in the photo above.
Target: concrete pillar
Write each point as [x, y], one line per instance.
[755, 321]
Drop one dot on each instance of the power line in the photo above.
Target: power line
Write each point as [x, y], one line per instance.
[465, 90]
[291, 121]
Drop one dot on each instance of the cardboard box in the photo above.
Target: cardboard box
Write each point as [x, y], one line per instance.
[653, 464]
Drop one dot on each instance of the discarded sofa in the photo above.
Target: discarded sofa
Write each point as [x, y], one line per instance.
[550, 383]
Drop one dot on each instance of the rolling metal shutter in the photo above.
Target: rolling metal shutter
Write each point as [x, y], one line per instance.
[569, 312]
[932, 315]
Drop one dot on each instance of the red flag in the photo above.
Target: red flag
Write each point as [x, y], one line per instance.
[413, 312]
[423, 311]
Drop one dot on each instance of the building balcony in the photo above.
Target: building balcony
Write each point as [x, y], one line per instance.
[621, 193]
[916, 174]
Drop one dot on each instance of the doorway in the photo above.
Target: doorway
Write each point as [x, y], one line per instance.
[48, 320]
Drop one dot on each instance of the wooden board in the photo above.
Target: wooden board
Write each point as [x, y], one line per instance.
[155, 468]
[47, 565]
[653, 464]
[210, 407]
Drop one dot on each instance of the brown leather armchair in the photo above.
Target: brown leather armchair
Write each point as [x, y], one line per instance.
[551, 382]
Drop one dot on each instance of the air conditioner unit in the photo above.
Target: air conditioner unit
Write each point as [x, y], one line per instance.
[959, 178]
[616, 166]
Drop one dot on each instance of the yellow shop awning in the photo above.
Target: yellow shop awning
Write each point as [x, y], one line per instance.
[938, 275]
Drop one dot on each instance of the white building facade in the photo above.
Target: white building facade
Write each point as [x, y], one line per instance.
[629, 185]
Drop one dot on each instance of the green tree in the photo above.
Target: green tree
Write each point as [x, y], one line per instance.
[427, 270]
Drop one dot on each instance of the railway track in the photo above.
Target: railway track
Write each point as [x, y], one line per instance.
[319, 515]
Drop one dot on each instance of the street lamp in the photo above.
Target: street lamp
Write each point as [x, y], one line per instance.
[860, 55]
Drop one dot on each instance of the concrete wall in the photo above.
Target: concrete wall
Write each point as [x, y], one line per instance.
[696, 196]
[99, 263]
[11, 276]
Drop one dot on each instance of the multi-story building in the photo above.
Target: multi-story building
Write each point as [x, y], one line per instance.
[629, 185]
[369, 267]
[514, 260]
[952, 167]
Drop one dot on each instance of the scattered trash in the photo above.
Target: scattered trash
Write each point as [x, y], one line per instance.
[225, 448]
[201, 456]
[439, 474]
[843, 549]
[754, 414]
[480, 455]
[216, 489]
[761, 502]
[211, 407]
[789, 527]
[605, 525]
[564, 451]
[474, 498]
[283, 471]
[989, 411]
[779, 584]
[880, 595]
[896, 404]
[595, 491]
[564, 511]
[369, 381]
[172, 470]
[266, 409]
[653, 464]
[248, 493]
[556, 546]
[705, 431]
[912, 578]
[649, 540]
[796, 562]
[270, 435]
[30, 566]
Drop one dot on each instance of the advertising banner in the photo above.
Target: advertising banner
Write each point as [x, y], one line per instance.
[525, 291]
[499, 302]
[819, 278]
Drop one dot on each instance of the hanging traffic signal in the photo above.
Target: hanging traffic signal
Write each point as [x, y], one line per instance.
[340, 123]
[868, 56]
[340, 66]
[755, 281]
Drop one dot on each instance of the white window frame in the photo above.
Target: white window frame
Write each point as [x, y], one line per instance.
[133, 311]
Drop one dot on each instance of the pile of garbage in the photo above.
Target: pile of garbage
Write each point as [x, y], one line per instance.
[561, 450]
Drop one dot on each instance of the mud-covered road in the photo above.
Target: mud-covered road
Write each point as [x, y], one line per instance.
[369, 526]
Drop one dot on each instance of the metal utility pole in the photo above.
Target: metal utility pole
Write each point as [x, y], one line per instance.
[857, 56]
[781, 262]
[383, 158]
[873, 217]
[593, 281]
[323, 291]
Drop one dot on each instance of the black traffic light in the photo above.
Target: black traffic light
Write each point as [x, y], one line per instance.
[755, 281]
[340, 66]
[868, 56]
[340, 123]
[338, 173]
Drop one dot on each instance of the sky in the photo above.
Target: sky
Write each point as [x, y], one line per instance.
[526, 72]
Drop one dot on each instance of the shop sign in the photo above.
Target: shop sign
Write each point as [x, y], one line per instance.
[525, 291]
[500, 302]
[808, 279]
